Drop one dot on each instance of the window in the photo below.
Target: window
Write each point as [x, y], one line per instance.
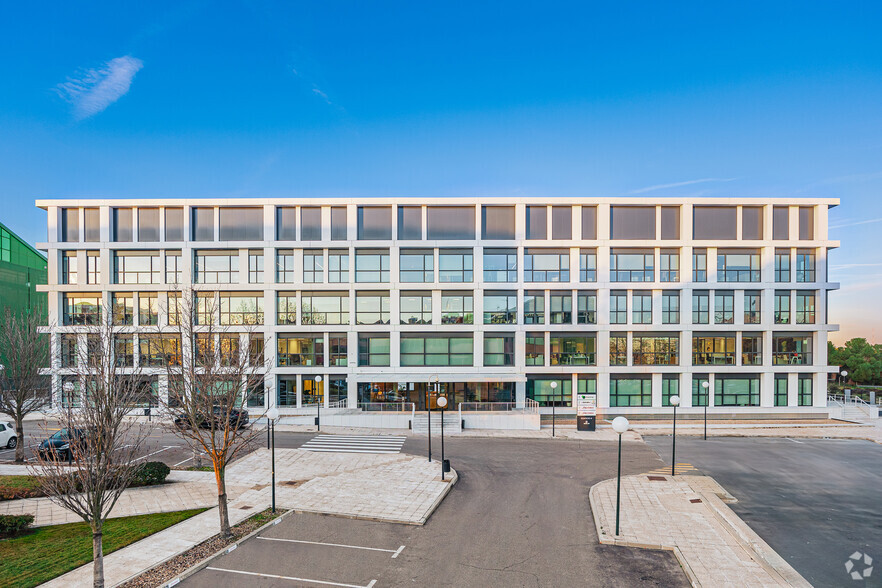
[806, 223]
[699, 265]
[373, 350]
[440, 350]
[500, 308]
[670, 223]
[256, 351]
[670, 388]
[537, 222]
[700, 307]
[287, 392]
[69, 356]
[159, 350]
[587, 265]
[298, 350]
[714, 223]
[671, 307]
[498, 349]
[539, 389]
[631, 266]
[203, 223]
[174, 224]
[751, 223]
[738, 266]
[534, 348]
[324, 308]
[255, 267]
[713, 350]
[780, 390]
[534, 307]
[285, 266]
[700, 392]
[286, 308]
[123, 310]
[70, 225]
[782, 265]
[804, 389]
[416, 308]
[256, 395]
[751, 349]
[338, 344]
[313, 266]
[782, 307]
[573, 349]
[740, 390]
[286, 223]
[450, 223]
[416, 266]
[632, 222]
[410, 223]
[497, 222]
[92, 229]
[805, 265]
[630, 391]
[655, 349]
[805, 308]
[217, 267]
[206, 309]
[338, 267]
[669, 270]
[457, 308]
[241, 309]
[562, 222]
[791, 350]
[586, 312]
[228, 349]
[148, 309]
[310, 223]
[372, 308]
[82, 309]
[173, 270]
[136, 267]
[339, 223]
[780, 223]
[618, 349]
[724, 307]
[68, 267]
[241, 224]
[372, 265]
[752, 307]
[546, 265]
[375, 223]
[561, 308]
[93, 267]
[455, 265]
[500, 265]
[122, 224]
[173, 309]
[641, 308]
[589, 223]
[148, 225]
[618, 307]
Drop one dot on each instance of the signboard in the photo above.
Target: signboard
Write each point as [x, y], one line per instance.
[586, 412]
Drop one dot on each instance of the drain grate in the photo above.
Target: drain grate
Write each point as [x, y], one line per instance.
[695, 500]
[657, 478]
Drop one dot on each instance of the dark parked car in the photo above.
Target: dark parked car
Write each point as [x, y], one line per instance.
[237, 417]
[62, 443]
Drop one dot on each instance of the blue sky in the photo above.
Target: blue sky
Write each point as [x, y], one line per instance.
[200, 99]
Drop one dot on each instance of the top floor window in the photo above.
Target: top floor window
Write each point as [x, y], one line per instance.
[410, 223]
[202, 218]
[374, 223]
[286, 223]
[92, 228]
[632, 222]
[70, 225]
[122, 224]
[174, 224]
[780, 223]
[805, 265]
[310, 223]
[450, 223]
[148, 225]
[631, 266]
[372, 265]
[546, 265]
[738, 266]
[751, 223]
[806, 223]
[714, 223]
[241, 224]
[498, 223]
[670, 223]
[217, 267]
[500, 265]
[455, 265]
[589, 223]
[537, 222]
[339, 223]
[136, 267]
[562, 223]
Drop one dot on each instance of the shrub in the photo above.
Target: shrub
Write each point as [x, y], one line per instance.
[11, 524]
[150, 474]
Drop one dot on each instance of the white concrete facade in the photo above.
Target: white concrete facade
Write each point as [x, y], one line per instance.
[808, 363]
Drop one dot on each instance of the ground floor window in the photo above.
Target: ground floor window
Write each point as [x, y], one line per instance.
[699, 390]
[311, 392]
[539, 389]
[287, 392]
[781, 390]
[805, 390]
[587, 384]
[337, 389]
[738, 390]
[256, 396]
[670, 387]
[625, 391]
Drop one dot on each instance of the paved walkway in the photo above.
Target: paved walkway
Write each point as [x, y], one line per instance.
[687, 515]
[870, 431]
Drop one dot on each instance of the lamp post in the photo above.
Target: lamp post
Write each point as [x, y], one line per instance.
[553, 401]
[69, 388]
[619, 425]
[706, 385]
[844, 374]
[272, 414]
[433, 380]
[442, 404]
[318, 405]
[675, 402]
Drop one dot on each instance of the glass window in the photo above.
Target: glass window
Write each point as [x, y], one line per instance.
[736, 390]
[93, 267]
[241, 309]
[587, 265]
[805, 265]
[670, 387]
[649, 349]
[338, 344]
[173, 269]
[700, 307]
[631, 266]
[92, 230]
[285, 266]
[630, 391]
[324, 308]
[587, 308]
[455, 265]
[632, 222]
[618, 349]
[782, 307]
[573, 349]
[410, 222]
[70, 225]
[562, 222]
[122, 224]
[299, 350]
[68, 267]
[751, 349]
[123, 310]
[434, 349]
[500, 265]
[286, 223]
[148, 308]
[498, 222]
[561, 308]
[782, 265]
[174, 224]
[374, 223]
[310, 223]
[69, 355]
[534, 348]
[780, 223]
[641, 307]
[216, 267]
[752, 307]
[700, 393]
[806, 223]
[618, 307]
[534, 307]
[805, 308]
[148, 225]
[804, 390]
[724, 307]
[589, 223]
[780, 390]
[339, 223]
[82, 309]
[372, 265]
[373, 350]
[714, 223]
[203, 223]
[159, 350]
[752, 223]
[699, 265]
[255, 267]
[450, 222]
[738, 266]
[669, 261]
[206, 309]
[416, 266]
[539, 389]
[241, 224]
[537, 222]
[372, 308]
[671, 307]
[457, 308]
[136, 267]
[256, 350]
[713, 350]
[416, 308]
[670, 223]
[338, 266]
[791, 350]
[500, 308]
[313, 266]
[286, 308]
[498, 349]
[546, 265]
[287, 392]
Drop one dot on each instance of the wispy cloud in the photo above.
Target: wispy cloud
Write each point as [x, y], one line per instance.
[855, 223]
[318, 92]
[93, 90]
[679, 184]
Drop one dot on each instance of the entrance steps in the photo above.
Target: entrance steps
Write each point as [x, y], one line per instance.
[452, 423]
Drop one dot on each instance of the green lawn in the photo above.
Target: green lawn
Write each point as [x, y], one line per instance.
[19, 487]
[48, 552]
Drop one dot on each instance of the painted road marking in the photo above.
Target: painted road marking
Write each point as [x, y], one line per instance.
[395, 552]
[292, 578]
[355, 444]
[155, 452]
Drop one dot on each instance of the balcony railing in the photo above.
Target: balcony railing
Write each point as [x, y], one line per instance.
[751, 358]
[713, 358]
[573, 359]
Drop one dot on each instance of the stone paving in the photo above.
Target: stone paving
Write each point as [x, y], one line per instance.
[687, 514]
[871, 431]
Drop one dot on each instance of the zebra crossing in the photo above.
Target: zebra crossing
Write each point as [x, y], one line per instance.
[355, 444]
[680, 468]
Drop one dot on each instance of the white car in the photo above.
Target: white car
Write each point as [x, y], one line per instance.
[8, 438]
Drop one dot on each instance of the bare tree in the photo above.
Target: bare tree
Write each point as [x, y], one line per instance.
[88, 473]
[24, 352]
[219, 366]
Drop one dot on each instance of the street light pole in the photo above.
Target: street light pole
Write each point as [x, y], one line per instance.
[706, 385]
[619, 425]
[553, 402]
[675, 402]
[318, 405]
[442, 404]
[273, 414]
[433, 381]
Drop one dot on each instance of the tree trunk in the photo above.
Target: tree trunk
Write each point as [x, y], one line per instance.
[222, 511]
[98, 563]
[19, 449]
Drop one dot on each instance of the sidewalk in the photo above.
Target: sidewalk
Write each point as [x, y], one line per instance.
[686, 514]
[871, 431]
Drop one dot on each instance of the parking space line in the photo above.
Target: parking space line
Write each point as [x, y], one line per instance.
[395, 552]
[292, 578]
[155, 452]
[186, 460]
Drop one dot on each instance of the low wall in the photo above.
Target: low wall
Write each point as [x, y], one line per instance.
[500, 420]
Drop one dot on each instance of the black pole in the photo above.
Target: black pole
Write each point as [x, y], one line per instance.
[273, 453]
[705, 421]
[674, 445]
[442, 444]
[429, 411]
[267, 432]
[619, 485]
[553, 413]
[318, 419]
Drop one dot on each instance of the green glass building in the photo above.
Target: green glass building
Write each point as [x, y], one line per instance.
[21, 268]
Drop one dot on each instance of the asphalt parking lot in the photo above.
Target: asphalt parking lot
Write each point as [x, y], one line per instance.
[815, 501]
